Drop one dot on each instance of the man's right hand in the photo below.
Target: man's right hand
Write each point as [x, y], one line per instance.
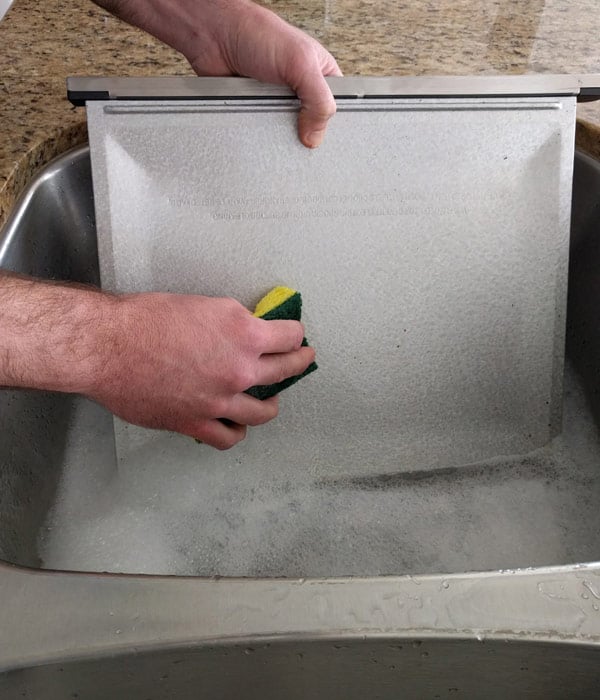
[181, 363]
[165, 361]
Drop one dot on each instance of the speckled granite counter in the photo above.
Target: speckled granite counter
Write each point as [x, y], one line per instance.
[41, 43]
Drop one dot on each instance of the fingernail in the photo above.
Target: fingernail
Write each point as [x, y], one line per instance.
[315, 138]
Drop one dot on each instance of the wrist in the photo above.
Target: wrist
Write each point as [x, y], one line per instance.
[92, 342]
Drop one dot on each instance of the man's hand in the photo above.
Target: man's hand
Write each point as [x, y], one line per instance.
[164, 361]
[238, 37]
[182, 363]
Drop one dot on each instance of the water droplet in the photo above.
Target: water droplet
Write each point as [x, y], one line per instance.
[592, 590]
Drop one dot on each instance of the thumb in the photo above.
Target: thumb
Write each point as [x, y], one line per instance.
[317, 106]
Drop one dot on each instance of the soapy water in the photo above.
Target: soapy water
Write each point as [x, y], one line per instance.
[145, 514]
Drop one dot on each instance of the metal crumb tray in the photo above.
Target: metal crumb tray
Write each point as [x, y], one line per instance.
[428, 235]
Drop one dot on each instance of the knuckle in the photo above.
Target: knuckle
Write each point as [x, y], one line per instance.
[218, 407]
[272, 409]
[242, 378]
[299, 337]
[325, 113]
[283, 372]
[229, 441]
[309, 356]
[319, 111]
[198, 431]
[326, 109]
[233, 311]
[254, 334]
[230, 304]
[269, 410]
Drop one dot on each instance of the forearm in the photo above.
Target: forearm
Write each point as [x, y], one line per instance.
[166, 361]
[183, 24]
[51, 335]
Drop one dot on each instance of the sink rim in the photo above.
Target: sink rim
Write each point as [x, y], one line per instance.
[91, 615]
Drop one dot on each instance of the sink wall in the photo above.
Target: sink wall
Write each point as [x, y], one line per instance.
[337, 668]
[51, 234]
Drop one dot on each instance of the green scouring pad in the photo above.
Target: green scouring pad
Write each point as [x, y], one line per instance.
[280, 303]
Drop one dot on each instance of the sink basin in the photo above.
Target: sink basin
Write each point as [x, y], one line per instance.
[67, 504]
[404, 613]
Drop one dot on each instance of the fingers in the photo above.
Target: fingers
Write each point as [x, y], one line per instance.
[242, 411]
[317, 104]
[273, 369]
[317, 108]
[246, 410]
[280, 336]
[218, 434]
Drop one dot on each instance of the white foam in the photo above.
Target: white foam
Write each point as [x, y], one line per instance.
[207, 515]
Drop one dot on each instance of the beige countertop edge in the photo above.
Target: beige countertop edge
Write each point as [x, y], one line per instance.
[61, 139]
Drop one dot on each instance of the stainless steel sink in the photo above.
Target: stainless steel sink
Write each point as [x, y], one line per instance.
[404, 615]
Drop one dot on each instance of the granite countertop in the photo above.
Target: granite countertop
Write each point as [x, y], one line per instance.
[41, 43]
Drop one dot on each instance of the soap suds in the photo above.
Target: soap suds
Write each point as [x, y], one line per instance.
[195, 517]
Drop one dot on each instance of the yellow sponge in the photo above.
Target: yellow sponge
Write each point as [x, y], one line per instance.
[280, 303]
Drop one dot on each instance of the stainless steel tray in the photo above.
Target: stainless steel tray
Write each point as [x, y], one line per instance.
[428, 236]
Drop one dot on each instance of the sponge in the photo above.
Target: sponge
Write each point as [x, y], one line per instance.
[280, 303]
